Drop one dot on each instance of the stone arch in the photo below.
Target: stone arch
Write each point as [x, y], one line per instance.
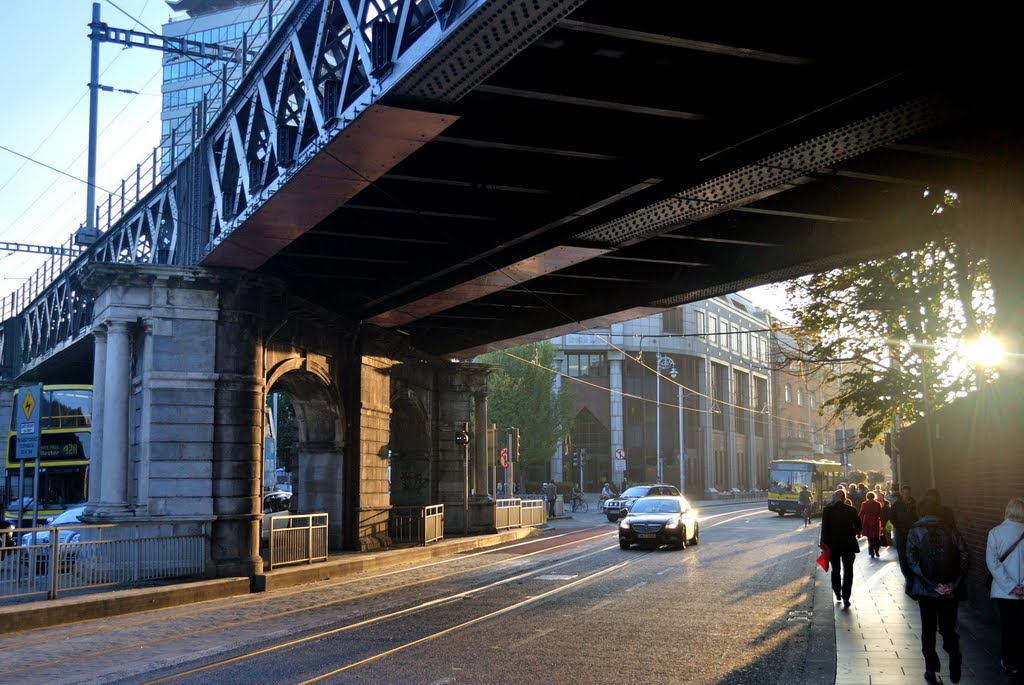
[319, 476]
[412, 472]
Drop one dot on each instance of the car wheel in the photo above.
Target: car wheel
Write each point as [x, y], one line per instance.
[623, 544]
[612, 518]
[695, 540]
[681, 542]
[781, 513]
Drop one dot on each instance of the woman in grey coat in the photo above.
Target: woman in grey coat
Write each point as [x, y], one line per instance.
[1008, 580]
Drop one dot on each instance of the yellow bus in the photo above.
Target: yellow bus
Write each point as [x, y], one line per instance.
[65, 427]
[786, 478]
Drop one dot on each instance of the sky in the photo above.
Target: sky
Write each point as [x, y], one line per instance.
[45, 46]
[45, 50]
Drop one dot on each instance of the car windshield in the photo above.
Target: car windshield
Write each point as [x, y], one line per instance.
[636, 491]
[657, 506]
[68, 517]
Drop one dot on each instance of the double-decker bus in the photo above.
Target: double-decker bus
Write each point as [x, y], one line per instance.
[65, 426]
[786, 477]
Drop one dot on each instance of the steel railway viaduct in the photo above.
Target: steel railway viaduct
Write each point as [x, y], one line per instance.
[394, 184]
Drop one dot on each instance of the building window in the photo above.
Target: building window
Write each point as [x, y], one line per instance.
[719, 388]
[741, 389]
[713, 330]
[761, 406]
[672, 321]
[810, 398]
[787, 393]
[586, 365]
[800, 397]
[702, 323]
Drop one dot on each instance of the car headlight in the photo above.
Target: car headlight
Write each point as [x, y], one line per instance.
[623, 524]
[673, 524]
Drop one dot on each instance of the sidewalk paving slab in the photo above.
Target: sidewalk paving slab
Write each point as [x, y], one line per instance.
[878, 638]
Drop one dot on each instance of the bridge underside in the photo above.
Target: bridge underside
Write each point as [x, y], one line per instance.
[629, 160]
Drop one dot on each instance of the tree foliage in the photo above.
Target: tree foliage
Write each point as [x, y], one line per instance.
[887, 332]
[520, 394]
[287, 431]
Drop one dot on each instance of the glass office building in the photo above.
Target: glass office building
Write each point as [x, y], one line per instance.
[194, 87]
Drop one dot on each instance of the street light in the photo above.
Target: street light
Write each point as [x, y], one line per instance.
[664, 363]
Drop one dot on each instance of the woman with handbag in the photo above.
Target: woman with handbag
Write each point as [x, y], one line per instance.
[1004, 555]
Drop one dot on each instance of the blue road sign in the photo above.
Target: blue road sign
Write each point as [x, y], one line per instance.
[27, 411]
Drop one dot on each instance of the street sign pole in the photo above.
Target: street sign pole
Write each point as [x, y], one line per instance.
[29, 403]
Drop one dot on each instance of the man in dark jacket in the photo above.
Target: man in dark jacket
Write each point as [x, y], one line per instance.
[840, 526]
[937, 557]
[903, 516]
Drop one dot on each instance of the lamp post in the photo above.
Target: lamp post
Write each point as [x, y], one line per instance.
[664, 363]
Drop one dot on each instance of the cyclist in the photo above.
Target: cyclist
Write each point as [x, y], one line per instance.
[607, 492]
[804, 498]
[577, 496]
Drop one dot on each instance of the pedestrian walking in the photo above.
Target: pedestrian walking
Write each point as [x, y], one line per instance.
[839, 528]
[937, 558]
[871, 522]
[1004, 556]
[904, 515]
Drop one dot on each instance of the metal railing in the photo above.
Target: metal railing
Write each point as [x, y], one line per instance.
[92, 556]
[297, 539]
[518, 513]
[418, 525]
[534, 512]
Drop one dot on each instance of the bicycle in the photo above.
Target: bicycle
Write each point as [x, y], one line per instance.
[807, 515]
[579, 504]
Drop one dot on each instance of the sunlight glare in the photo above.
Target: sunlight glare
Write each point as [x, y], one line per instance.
[985, 350]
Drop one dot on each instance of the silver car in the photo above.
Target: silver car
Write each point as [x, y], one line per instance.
[617, 507]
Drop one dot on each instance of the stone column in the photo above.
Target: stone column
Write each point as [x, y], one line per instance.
[99, 372]
[616, 414]
[113, 497]
[482, 471]
[707, 423]
[729, 414]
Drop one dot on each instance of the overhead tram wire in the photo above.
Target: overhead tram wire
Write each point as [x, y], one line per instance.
[114, 118]
[61, 122]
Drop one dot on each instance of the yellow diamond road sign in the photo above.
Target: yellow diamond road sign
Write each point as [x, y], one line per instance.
[28, 404]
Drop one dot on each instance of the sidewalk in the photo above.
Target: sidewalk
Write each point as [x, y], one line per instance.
[878, 639]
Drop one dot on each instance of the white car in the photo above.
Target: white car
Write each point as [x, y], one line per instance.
[274, 504]
[37, 544]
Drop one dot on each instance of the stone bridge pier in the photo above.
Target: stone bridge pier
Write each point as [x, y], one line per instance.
[184, 360]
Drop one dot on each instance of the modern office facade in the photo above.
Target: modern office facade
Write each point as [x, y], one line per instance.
[187, 80]
[714, 390]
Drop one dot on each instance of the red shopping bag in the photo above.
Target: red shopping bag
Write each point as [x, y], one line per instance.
[822, 559]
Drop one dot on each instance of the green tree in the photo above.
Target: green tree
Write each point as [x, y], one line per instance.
[889, 332]
[521, 394]
[287, 431]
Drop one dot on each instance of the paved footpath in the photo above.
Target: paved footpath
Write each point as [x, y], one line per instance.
[878, 639]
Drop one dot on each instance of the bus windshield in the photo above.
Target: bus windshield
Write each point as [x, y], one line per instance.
[787, 481]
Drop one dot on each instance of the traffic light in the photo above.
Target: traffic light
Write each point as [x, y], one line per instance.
[576, 458]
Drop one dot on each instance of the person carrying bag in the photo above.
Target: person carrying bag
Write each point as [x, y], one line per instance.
[1004, 556]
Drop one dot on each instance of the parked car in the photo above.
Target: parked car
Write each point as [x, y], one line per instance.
[617, 507]
[658, 521]
[7, 537]
[37, 545]
[275, 503]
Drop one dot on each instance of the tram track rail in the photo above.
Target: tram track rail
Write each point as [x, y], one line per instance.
[513, 556]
